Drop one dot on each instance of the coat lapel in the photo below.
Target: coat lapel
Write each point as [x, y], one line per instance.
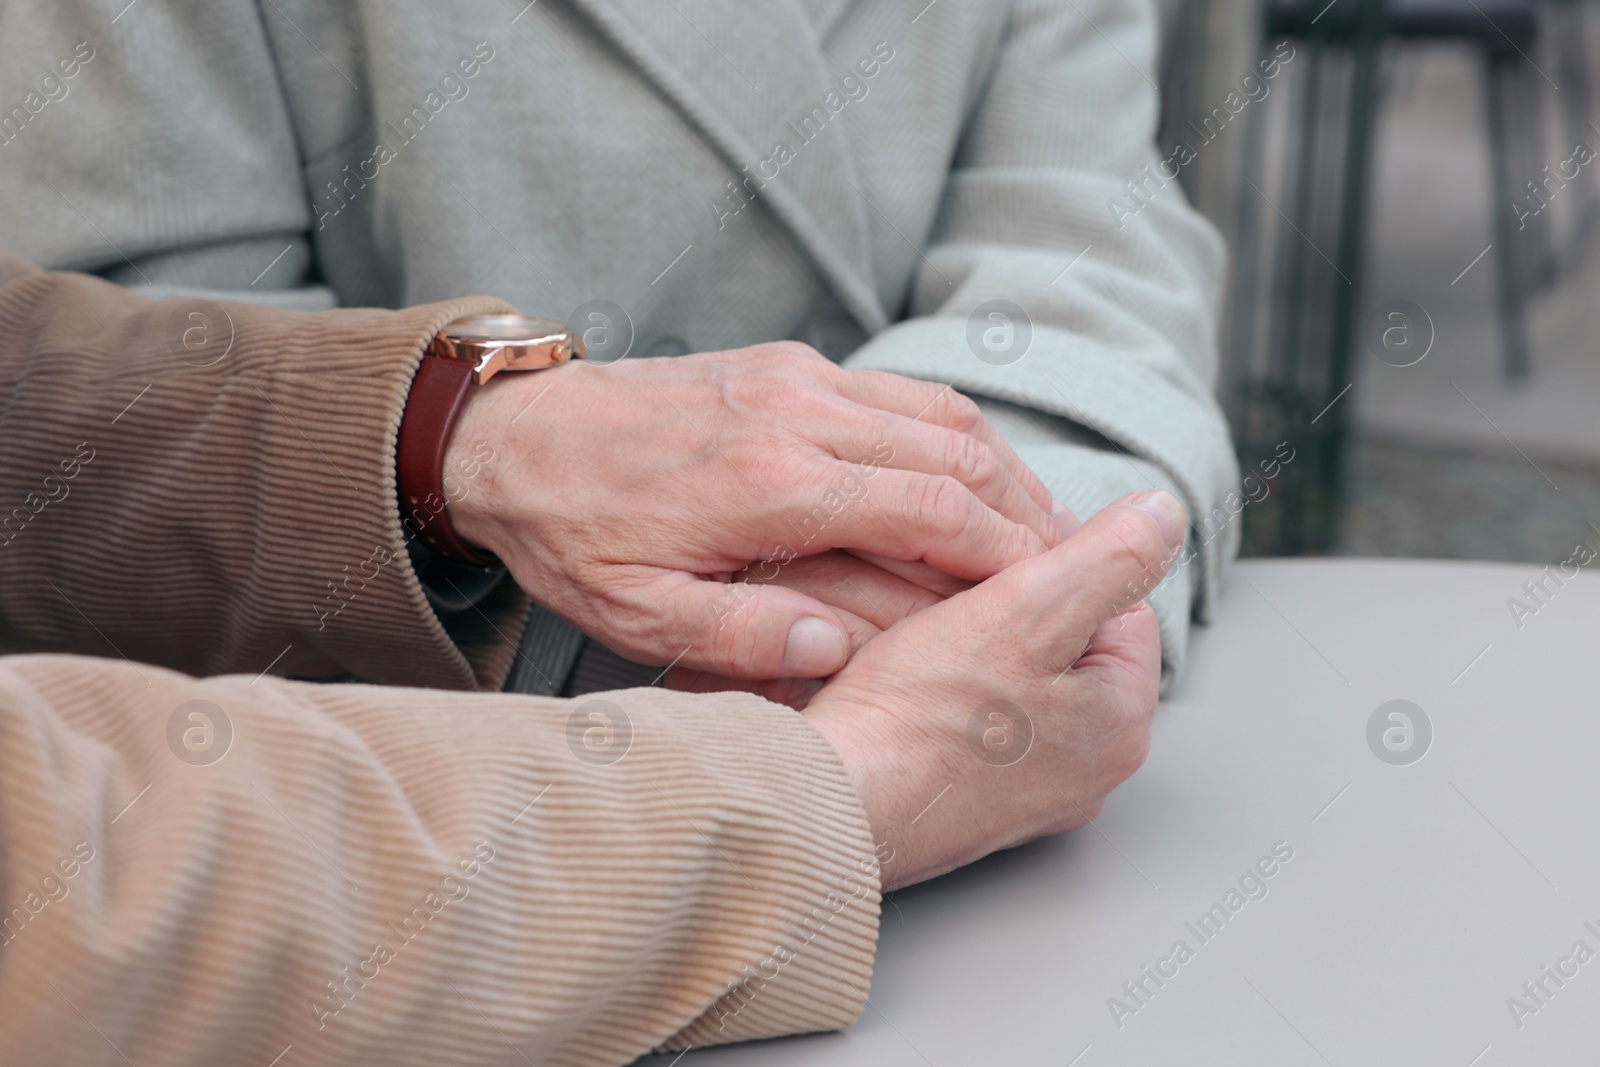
[747, 74]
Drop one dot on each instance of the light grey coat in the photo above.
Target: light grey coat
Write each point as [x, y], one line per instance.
[864, 176]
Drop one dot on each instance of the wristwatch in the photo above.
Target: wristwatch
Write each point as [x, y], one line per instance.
[461, 357]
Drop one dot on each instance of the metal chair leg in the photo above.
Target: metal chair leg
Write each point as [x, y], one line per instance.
[1512, 246]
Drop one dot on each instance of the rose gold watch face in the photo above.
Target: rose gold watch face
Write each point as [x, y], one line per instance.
[493, 343]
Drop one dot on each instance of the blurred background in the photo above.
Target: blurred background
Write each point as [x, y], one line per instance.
[1409, 190]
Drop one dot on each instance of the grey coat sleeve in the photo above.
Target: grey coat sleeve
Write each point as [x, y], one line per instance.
[1097, 327]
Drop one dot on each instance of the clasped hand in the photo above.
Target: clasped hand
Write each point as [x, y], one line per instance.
[762, 517]
[623, 497]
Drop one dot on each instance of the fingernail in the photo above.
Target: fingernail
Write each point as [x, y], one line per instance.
[1165, 509]
[816, 647]
[1066, 521]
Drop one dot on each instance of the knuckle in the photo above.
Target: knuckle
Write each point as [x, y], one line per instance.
[1136, 552]
[1129, 744]
[735, 651]
[793, 352]
[898, 384]
[1124, 752]
[942, 503]
[968, 459]
[960, 411]
[636, 627]
[1133, 750]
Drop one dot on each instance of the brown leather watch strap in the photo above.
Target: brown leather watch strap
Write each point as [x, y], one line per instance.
[438, 393]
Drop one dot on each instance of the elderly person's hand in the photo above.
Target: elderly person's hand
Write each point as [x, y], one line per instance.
[1012, 709]
[621, 494]
[866, 597]
[869, 594]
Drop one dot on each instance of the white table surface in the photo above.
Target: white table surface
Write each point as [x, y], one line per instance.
[1419, 898]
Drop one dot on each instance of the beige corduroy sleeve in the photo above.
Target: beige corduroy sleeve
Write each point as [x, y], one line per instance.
[234, 870]
[210, 487]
